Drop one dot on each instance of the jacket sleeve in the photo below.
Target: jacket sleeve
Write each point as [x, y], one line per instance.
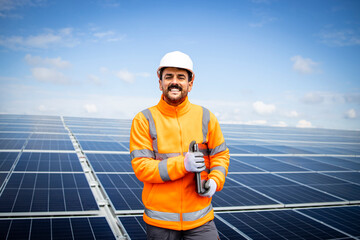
[145, 166]
[219, 153]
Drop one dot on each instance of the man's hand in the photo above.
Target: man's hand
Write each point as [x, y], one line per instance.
[194, 162]
[210, 187]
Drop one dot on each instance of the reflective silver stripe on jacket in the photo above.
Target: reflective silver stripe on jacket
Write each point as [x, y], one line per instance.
[219, 168]
[142, 153]
[152, 128]
[164, 216]
[164, 171]
[193, 216]
[216, 150]
[205, 123]
[175, 217]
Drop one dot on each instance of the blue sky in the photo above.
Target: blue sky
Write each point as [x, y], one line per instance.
[268, 62]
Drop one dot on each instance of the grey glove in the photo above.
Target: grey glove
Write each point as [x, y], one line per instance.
[194, 162]
[210, 187]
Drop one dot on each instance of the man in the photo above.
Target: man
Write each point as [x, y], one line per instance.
[159, 145]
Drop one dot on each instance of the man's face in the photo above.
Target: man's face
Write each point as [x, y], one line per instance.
[175, 85]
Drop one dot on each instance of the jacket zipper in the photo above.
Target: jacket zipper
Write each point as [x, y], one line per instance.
[182, 179]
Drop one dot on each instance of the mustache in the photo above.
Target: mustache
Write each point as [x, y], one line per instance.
[174, 86]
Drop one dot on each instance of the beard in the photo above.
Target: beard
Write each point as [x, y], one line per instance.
[176, 97]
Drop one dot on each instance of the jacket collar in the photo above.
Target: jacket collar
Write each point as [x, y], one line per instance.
[167, 109]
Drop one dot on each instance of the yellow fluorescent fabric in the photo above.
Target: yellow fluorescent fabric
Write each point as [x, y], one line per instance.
[159, 138]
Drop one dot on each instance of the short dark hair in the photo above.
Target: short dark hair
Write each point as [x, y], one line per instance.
[188, 72]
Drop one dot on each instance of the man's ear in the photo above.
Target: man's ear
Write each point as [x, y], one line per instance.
[191, 85]
[160, 85]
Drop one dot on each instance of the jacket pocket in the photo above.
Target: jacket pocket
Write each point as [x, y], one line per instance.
[152, 194]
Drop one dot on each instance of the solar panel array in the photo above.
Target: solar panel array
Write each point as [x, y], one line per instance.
[68, 177]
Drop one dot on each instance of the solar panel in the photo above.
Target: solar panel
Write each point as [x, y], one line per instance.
[135, 227]
[110, 162]
[9, 144]
[330, 185]
[268, 164]
[47, 192]
[48, 162]
[345, 219]
[309, 164]
[102, 146]
[7, 160]
[287, 169]
[283, 190]
[352, 177]
[124, 191]
[56, 228]
[281, 224]
[49, 145]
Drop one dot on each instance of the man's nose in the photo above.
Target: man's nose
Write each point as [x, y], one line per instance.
[174, 80]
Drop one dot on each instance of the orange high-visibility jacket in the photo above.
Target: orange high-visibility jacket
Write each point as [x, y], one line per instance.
[159, 139]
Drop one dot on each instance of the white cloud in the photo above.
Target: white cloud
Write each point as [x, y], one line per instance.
[292, 114]
[49, 75]
[10, 5]
[304, 65]
[304, 124]
[351, 114]
[94, 79]
[104, 70]
[50, 38]
[42, 108]
[130, 77]
[280, 124]
[256, 122]
[104, 34]
[313, 98]
[54, 62]
[126, 76]
[90, 108]
[340, 38]
[262, 108]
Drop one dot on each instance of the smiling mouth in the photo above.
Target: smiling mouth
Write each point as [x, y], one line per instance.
[174, 89]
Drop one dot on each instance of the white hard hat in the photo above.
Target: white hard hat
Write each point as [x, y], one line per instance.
[178, 60]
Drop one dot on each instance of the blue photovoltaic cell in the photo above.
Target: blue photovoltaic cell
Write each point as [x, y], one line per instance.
[268, 164]
[281, 224]
[135, 227]
[102, 146]
[124, 190]
[282, 190]
[2, 179]
[110, 162]
[56, 228]
[309, 164]
[353, 177]
[257, 149]
[12, 144]
[226, 232]
[233, 194]
[340, 162]
[49, 145]
[288, 149]
[234, 150]
[50, 136]
[7, 160]
[346, 219]
[48, 162]
[328, 184]
[11, 135]
[237, 166]
[47, 192]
